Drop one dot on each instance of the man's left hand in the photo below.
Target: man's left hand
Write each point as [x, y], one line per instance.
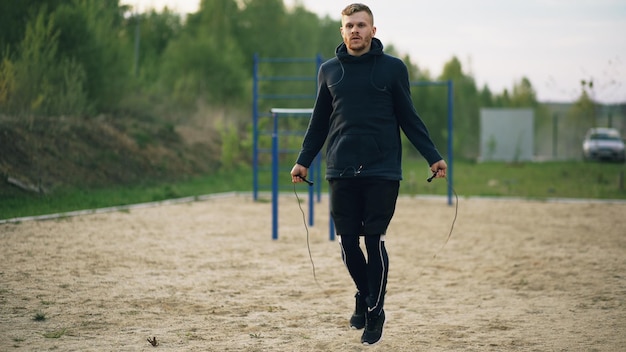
[439, 168]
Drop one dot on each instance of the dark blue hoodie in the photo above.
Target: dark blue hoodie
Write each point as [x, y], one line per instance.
[362, 102]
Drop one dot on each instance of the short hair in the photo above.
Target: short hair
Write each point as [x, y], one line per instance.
[357, 7]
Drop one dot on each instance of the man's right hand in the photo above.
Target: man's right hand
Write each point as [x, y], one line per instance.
[297, 171]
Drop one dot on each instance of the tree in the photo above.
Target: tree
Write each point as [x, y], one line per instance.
[14, 16]
[156, 32]
[91, 33]
[205, 61]
[524, 94]
[38, 81]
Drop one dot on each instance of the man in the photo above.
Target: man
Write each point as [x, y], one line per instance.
[363, 100]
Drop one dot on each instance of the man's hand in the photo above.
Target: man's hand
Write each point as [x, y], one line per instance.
[297, 171]
[439, 168]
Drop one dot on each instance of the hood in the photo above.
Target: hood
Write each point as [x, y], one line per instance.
[342, 51]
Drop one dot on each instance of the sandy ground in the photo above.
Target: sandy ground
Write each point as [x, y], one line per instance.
[206, 276]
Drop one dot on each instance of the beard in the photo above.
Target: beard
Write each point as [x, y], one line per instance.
[358, 45]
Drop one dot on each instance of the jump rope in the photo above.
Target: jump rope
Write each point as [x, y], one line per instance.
[306, 227]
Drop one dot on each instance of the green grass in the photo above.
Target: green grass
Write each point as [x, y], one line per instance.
[562, 180]
[528, 180]
[67, 200]
[525, 180]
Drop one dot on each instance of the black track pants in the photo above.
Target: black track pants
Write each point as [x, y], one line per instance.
[369, 276]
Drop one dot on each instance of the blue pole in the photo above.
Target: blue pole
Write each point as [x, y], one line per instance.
[450, 140]
[255, 128]
[275, 178]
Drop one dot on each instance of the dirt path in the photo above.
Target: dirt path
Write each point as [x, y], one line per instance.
[206, 276]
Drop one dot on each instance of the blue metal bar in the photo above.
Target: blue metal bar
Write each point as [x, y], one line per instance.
[275, 133]
[275, 179]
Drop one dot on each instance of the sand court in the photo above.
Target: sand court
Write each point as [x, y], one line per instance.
[206, 276]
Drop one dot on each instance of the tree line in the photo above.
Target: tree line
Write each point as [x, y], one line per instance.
[90, 57]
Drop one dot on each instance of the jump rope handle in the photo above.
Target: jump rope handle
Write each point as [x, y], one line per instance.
[430, 179]
[309, 182]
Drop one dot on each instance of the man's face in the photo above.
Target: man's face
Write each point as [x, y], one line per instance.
[357, 32]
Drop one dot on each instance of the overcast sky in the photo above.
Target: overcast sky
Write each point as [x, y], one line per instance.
[553, 43]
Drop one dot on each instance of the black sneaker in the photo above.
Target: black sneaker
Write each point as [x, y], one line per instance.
[373, 328]
[357, 320]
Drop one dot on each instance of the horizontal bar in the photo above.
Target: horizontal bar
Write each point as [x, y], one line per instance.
[286, 111]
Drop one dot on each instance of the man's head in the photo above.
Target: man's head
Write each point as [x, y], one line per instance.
[357, 28]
